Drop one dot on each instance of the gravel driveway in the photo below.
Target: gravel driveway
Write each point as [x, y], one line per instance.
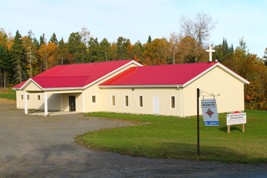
[38, 146]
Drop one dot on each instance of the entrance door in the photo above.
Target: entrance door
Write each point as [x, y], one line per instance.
[72, 104]
[156, 105]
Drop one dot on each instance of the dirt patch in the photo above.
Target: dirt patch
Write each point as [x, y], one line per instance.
[7, 101]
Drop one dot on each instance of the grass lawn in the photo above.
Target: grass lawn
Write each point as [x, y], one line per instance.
[172, 137]
[7, 93]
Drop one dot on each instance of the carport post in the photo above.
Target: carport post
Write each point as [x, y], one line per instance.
[25, 103]
[45, 105]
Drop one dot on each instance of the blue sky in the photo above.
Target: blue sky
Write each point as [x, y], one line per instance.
[137, 19]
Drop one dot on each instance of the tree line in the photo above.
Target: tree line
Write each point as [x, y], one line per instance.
[22, 57]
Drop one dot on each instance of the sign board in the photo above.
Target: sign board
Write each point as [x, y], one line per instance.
[209, 112]
[236, 118]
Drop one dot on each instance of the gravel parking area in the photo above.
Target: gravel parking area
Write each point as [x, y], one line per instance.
[38, 146]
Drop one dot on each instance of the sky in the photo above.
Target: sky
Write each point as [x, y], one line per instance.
[137, 19]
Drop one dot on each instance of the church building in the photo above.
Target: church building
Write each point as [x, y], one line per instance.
[125, 86]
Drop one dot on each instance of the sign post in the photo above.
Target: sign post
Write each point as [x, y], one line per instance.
[236, 118]
[198, 137]
[210, 115]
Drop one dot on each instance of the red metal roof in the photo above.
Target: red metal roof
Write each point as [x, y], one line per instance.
[19, 85]
[177, 74]
[75, 75]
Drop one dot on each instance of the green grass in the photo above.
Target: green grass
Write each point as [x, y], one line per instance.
[172, 137]
[7, 94]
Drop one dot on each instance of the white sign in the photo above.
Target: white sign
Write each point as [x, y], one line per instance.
[209, 112]
[236, 118]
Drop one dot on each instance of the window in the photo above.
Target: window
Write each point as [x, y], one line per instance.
[141, 101]
[28, 97]
[113, 100]
[173, 102]
[21, 97]
[126, 101]
[93, 99]
[39, 97]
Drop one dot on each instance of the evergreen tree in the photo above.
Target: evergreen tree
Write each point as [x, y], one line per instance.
[77, 48]
[104, 50]
[123, 48]
[62, 52]
[42, 40]
[54, 39]
[223, 51]
[149, 39]
[19, 60]
[138, 51]
[4, 66]
[93, 49]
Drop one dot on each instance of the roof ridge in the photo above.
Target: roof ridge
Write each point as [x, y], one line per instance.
[97, 62]
[192, 63]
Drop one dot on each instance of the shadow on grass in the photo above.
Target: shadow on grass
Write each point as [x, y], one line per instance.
[210, 153]
[233, 128]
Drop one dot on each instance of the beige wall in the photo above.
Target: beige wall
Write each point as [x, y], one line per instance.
[65, 101]
[94, 89]
[104, 100]
[36, 100]
[215, 81]
[57, 100]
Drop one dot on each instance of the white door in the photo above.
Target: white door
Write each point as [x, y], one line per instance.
[156, 105]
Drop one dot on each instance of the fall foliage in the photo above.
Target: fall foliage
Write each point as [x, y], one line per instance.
[22, 57]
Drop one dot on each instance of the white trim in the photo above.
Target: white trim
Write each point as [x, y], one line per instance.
[223, 68]
[140, 86]
[27, 83]
[67, 88]
[233, 73]
[82, 102]
[45, 104]
[182, 102]
[25, 94]
[112, 72]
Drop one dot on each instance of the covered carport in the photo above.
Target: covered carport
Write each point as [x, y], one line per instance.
[53, 101]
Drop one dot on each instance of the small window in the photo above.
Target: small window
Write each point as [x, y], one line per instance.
[93, 99]
[21, 97]
[39, 97]
[141, 101]
[126, 101]
[173, 102]
[113, 100]
[28, 97]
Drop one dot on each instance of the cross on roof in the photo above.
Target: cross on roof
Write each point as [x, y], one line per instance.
[210, 50]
